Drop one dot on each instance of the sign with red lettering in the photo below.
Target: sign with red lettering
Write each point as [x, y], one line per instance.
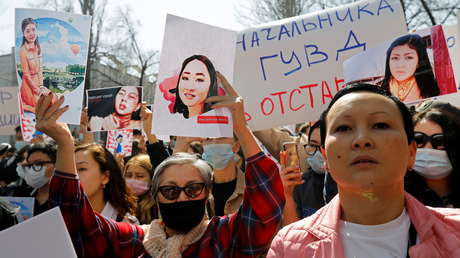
[413, 66]
[192, 53]
[289, 70]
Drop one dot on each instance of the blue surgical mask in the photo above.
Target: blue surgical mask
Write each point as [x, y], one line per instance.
[432, 163]
[317, 162]
[218, 155]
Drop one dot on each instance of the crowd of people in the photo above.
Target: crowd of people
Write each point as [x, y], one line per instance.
[367, 170]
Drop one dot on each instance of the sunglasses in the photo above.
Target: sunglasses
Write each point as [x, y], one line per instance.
[37, 166]
[172, 192]
[436, 140]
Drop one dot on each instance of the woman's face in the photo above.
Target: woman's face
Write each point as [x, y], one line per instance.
[30, 33]
[194, 83]
[403, 62]
[429, 128]
[127, 101]
[91, 177]
[138, 173]
[181, 175]
[366, 146]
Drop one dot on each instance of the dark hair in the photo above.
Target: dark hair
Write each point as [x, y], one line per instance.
[136, 115]
[179, 106]
[364, 87]
[115, 192]
[48, 148]
[119, 136]
[448, 118]
[423, 74]
[312, 128]
[24, 24]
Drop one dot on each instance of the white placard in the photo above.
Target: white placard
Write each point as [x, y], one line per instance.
[288, 71]
[120, 142]
[9, 110]
[42, 236]
[192, 52]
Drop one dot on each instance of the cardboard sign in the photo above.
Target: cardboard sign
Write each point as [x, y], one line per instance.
[9, 110]
[192, 53]
[25, 206]
[413, 66]
[42, 236]
[288, 71]
[114, 108]
[51, 49]
[120, 142]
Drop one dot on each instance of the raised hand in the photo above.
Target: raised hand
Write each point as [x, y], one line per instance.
[146, 117]
[47, 114]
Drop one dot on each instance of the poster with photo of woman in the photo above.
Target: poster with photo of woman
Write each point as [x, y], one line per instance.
[114, 108]
[120, 142]
[191, 56]
[412, 67]
[51, 49]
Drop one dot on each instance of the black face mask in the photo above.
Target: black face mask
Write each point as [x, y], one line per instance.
[182, 216]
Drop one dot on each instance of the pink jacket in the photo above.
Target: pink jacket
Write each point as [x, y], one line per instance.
[438, 233]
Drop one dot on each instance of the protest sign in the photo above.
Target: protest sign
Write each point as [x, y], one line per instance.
[288, 71]
[9, 110]
[114, 108]
[42, 236]
[25, 206]
[412, 67]
[192, 53]
[51, 49]
[120, 141]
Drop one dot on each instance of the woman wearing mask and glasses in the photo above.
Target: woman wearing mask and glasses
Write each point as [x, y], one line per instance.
[180, 185]
[436, 172]
[367, 139]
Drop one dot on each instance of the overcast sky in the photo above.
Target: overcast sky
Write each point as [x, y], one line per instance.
[151, 14]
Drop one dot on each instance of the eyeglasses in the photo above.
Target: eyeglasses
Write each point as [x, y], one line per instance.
[37, 166]
[311, 149]
[172, 192]
[437, 140]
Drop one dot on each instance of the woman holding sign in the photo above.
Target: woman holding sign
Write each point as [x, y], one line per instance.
[367, 138]
[197, 81]
[181, 185]
[30, 58]
[408, 72]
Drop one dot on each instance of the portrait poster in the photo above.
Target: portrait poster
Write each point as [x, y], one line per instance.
[24, 206]
[9, 110]
[51, 49]
[192, 53]
[413, 66]
[289, 70]
[120, 142]
[114, 108]
[42, 236]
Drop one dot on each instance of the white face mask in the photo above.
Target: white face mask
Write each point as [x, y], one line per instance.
[35, 179]
[432, 164]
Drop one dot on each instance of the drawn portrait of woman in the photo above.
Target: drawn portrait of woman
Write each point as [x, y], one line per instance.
[197, 81]
[408, 72]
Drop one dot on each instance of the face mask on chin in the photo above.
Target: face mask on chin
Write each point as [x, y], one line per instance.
[432, 163]
[182, 216]
[218, 155]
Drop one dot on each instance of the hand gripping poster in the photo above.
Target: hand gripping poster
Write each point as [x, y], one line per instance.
[51, 50]
[192, 53]
[412, 67]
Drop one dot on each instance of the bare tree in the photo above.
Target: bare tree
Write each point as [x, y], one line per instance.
[419, 13]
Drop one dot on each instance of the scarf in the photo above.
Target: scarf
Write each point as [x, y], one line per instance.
[403, 88]
[157, 244]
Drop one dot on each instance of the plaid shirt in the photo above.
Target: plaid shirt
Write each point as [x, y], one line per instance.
[245, 233]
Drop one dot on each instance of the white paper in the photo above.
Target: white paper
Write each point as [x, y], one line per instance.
[9, 110]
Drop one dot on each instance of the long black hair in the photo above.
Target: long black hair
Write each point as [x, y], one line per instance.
[424, 75]
[179, 106]
[24, 24]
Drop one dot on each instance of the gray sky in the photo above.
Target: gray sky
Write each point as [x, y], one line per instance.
[150, 13]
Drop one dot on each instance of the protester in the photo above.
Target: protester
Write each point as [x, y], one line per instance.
[307, 192]
[19, 142]
[138, 174]
[8, 163]
[436, 172]
[244, 233]
[368, 143]
[408, 72]
[102, 180]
